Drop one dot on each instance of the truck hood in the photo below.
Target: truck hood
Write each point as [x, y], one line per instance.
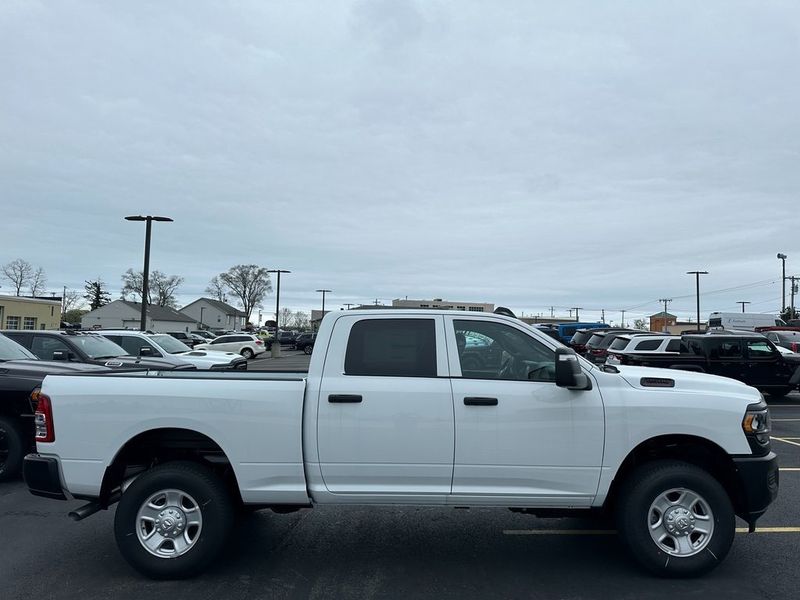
[684, 380]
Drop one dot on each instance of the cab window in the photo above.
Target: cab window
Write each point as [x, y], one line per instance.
[392, 348]
[510, 354]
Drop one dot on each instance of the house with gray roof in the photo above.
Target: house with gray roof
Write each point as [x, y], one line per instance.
[214, 314]
[122, 314]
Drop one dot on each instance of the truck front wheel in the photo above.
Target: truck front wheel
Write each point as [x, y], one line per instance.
[675, 518]
[173, 520]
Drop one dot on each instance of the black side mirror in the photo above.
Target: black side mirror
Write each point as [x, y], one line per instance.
[568, 371]
[145, 351]
[60, 355]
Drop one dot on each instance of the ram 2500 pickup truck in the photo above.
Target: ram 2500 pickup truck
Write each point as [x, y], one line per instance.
[389, 414]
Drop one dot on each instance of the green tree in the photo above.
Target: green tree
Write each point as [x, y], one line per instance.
[96, 293]
[73, 316]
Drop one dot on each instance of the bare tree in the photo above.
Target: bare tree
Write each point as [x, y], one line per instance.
[37, 282]
[18, 272]
[287, 317]
[248, 283]
[216, 289]
[301, 320]
[72, 301]
[161, 288]
[640, 324]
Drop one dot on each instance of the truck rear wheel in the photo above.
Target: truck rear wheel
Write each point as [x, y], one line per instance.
[173, 520]
[12, 448]
[675, 518]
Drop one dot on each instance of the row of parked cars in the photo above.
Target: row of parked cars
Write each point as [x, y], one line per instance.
[766, 359]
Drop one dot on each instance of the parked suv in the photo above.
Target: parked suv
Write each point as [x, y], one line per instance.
[246, 344]
[641, 343]
[787, 338]
[186, 338]
[305, 342]
[85, 347]
[161, 345]
[597, 346]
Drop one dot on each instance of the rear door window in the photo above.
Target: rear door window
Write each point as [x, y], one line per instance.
[648, 345]
[674, 346]
[392, 348]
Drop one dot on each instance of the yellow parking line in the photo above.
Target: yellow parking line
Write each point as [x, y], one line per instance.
[613, 531]
[785, 441]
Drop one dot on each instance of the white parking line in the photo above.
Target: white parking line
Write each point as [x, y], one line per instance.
[785, 441]
[614, 532]
[785, 420]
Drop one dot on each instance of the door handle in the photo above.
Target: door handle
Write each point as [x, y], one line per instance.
[479, 401]
[344, 398]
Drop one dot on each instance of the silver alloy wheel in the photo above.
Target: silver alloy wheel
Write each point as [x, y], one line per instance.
[169, 523]
[680, 522]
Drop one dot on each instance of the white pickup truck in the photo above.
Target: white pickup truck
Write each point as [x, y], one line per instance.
[410, 407]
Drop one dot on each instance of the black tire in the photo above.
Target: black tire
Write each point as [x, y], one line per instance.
[214, 505]
[779, 392]
[247, 353]
[12, 448]
[633, 514]
[308, 349]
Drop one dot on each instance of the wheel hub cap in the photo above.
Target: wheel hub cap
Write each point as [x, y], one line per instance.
[680, 521]
[170, 522]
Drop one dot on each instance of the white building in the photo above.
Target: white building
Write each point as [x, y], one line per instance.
[121, 314]
[213, 314]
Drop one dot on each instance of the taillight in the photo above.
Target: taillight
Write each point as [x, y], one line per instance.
[794, 346]
[259, 343]
[43, 419]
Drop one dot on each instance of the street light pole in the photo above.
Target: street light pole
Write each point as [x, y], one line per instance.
[742, 302]
[782, 257]
[323, 300]
[146, 273]
[276, 345]
[697, 275]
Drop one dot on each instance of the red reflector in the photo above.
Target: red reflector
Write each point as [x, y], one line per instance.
[794, 346]
[259, 342]
[43, 419]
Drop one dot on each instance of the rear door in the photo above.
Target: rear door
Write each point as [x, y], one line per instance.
[765, 366]
[385, 424]
[519, 437]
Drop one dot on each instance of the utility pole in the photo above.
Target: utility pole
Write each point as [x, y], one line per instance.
[742, 302]
[623, 319]
[666, 301]
[348, 305]
[576, 309]
[697, 276]
[376, 302]
[552, 312]
[603, 315]
[782, 257]
[793, 292]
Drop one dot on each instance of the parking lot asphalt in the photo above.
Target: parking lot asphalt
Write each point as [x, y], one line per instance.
[399, 552]
[290, 360]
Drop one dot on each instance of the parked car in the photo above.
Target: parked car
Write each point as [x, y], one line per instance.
[21, 373]
[788, 338]
[388, 414]
[597, 346]
[246, 344]
[85, 347]
[748, 357]
[186, 338]
[641, 343]
[305, 342]
[205, 334]
[162, 345]
[286, 337]
[567, 330]
[582, 336]
[549, 330]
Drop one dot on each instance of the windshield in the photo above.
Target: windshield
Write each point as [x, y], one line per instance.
[170, 344]
[96, 346]
[11, 350]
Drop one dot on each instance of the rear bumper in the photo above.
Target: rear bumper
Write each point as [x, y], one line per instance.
[42, 476]
[758, 482]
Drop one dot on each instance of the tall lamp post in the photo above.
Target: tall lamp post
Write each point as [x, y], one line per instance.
[697, 276]
[782, 258]
[323, 300]
[276, 345]
[146, 273]
[742, 302]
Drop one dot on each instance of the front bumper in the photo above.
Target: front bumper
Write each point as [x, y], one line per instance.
[758, 484]
[42, 476]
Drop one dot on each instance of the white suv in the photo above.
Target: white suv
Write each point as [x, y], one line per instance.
[637, 343]
[245, 344]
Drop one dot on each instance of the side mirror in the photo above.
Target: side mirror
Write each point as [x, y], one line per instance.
[568, 371]
[60, 355]
[145, 351]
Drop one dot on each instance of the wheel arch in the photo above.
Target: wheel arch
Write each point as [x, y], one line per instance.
[691, 449]
[158, 446]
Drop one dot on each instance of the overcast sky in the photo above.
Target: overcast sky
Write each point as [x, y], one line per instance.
[526, 154]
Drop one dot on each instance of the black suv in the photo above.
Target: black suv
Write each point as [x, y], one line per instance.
[305, 342]
[20, 374]
[85, 347]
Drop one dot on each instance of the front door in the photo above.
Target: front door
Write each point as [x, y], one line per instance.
[385, 410]
[519, 437]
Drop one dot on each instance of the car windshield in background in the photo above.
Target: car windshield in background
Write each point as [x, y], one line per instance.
[170, 344]
[11, 350]
[96, 346]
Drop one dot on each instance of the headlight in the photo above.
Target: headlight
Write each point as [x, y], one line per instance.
[756, 425]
